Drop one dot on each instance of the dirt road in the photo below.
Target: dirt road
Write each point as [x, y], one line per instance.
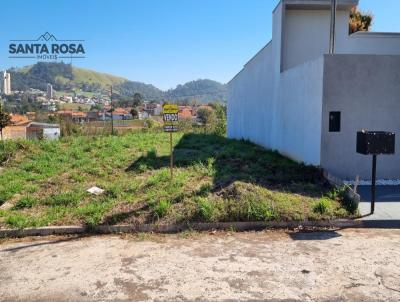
[350, 265]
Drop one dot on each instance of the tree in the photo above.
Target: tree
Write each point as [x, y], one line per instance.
[135, 113]
[5, 120]
[220, 114]
[360, 21]
[206, 116]
[137, 99]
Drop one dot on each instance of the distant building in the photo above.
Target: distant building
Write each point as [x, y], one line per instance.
[121, 114]
[31, 116]
[50, 92]
[6, 88]
[153, 109]
[185, 112]
[17, 129]
[45, 131]
[143, 114]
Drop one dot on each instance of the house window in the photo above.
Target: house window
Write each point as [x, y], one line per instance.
[334, 121]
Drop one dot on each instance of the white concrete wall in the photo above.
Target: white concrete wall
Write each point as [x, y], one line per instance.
[51, 133]
[289, 122]
[371, 43]
[306, 37]
[366, 90]
[276, 100]
[249, 95]
[299, 101]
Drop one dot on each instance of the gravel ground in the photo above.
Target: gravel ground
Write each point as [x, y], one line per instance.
[349, 265]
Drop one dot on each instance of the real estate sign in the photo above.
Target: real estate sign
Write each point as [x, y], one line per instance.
[170, 117]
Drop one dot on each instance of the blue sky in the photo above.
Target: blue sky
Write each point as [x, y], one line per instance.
[162, 42]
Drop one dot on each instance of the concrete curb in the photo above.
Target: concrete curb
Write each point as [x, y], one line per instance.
[338, 183]
[175, 228]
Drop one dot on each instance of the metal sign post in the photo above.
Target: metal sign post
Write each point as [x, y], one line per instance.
[375, 143]
[373, 188]
[171, 162]
[170, 117]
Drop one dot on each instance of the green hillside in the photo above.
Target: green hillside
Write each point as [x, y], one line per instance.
[67, 78]
[90, 76]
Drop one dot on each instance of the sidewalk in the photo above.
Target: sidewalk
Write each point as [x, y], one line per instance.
[387, 205]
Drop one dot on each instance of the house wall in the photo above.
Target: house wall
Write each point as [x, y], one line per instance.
[14, 132]
[277, 99]
[368, 98]
[298, 123]
[290, 122]
[306, 37]
[249, 97]
[277, 110]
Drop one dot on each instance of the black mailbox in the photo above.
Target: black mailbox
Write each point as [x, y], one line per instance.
[375, 142]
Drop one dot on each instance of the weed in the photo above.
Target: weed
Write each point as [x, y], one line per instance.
[204, 190]
[206, 208]
[25, 202]
[64, 199]
[159, 177]
[161, 208]
[17, 220]
[323, 206]
[215, 179]
[93, 213]
[258, 211]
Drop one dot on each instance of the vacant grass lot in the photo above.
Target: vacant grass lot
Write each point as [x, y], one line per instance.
[215, 179]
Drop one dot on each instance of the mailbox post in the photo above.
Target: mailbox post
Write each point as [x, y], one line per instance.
[375, 143]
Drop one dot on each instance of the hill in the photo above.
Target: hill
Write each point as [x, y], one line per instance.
[204, 90]
[68, 78]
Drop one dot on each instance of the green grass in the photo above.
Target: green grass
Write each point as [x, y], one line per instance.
[215, 179]
[74, 106]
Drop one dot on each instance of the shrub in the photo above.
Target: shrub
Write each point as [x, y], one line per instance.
[149, 123]
[220, 123]
[323, 206]
[185, 125]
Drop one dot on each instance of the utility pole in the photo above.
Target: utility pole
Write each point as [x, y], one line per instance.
[332, 38]
[112, 110]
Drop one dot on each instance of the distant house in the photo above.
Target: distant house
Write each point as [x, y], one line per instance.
[185, 112]
[143, 114]
[31, 116]
[77, 117]
[93, 116]
[17, 129]
[22, 128]
[295, 97]
[121, 114]
[43, 131]
[153, 108]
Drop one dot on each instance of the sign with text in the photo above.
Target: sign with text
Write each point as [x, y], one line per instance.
[46, 47]
[170, 117]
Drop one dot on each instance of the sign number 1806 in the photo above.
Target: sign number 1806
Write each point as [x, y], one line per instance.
[170, 117]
